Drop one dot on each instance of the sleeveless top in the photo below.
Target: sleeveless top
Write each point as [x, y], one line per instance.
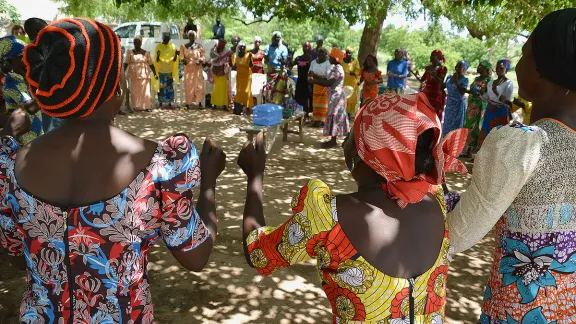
[524, 179]
[357, 291]
[88, 263]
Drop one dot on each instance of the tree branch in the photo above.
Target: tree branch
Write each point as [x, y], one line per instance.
[255, 21]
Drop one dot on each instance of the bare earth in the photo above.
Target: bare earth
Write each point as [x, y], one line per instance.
[228, 291]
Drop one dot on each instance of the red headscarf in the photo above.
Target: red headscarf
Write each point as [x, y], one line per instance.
[386, 131]
[439, 54]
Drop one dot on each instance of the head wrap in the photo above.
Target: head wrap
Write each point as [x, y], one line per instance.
[257, 39]
[318, 38]
[277, 34]
[307, 44]
[165, 28]
[505, 62]
[10, 46]
[74, 67]
[192, 32]
[554, 47]
[486, 64]
[464, 64]
[236, 38]
[337, 54]
[242, 43]
[439, 54]
[373, 57]
[386, 131]
[350, 49]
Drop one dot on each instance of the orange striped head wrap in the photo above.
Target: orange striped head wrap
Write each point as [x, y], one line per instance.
[74, 67]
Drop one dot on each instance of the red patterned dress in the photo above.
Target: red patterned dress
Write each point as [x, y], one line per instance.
[434, 89]
[357, 291]
[88, 264]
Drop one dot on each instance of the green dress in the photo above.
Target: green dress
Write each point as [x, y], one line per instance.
[475, 111]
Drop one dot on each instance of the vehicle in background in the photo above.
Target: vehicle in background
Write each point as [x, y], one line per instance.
[151, 36]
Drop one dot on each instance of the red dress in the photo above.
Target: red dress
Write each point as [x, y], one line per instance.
[257, 59]
[434, 89]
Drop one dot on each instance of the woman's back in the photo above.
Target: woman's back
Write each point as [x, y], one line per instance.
[381, 232]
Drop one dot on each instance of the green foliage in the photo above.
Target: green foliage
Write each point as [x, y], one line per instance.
[455, 48]
[8, 12]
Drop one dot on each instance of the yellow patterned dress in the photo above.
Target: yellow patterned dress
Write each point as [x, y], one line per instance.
[358, 292]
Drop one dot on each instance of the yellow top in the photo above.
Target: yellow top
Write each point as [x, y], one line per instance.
[527, 110]
[167, 64]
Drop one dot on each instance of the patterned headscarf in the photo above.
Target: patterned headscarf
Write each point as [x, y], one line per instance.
[464, 64]
[486, 64]
[506, 63]
[74, 67]
[10, 46]
[386, 131]
[337, 54]
[439, 54]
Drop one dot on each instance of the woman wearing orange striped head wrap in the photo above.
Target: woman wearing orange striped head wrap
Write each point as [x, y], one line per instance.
[377, 262]
[336, 123]
[105, 195]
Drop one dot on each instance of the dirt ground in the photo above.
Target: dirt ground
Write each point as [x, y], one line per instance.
[228, 291]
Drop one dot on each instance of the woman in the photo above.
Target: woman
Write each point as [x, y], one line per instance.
[477, 106]
[166, 64]
[234, 48]
[397, 72]
[433, 82]
[85, 253]
[336, 120]
[303, 88]
[319, 40]
[457, 86]
[219, 75]
[371, 77]
[351, 77]
[137, 65]
[499, 97]
[319, 69]
[523, 181]
[244, 66]
[16, 93]
[377, 261]
[19, 32]
[257, 56]
[193, 56]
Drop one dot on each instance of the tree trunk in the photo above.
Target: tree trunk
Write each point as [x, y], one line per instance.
[371, 36]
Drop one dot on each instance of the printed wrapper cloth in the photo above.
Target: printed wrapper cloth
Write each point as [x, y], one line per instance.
[386, 131]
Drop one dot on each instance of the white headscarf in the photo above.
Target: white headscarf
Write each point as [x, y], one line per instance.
[257, 39]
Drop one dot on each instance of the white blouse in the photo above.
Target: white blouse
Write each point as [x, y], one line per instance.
[322, 69]
[507, 160]
[505, 89]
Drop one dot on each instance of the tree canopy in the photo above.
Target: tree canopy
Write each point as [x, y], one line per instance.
[8, 12]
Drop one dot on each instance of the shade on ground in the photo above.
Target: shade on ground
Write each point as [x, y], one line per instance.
[228, 291]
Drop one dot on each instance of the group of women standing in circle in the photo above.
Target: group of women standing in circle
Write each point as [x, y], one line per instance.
[97, 247]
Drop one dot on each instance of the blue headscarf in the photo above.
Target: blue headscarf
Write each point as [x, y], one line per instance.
[465, 64]
[506, 64]
[10, 47]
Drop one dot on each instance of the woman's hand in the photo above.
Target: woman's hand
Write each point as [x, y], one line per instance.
[252, 158]
[212, 162]
[18, 124]
[310, 80]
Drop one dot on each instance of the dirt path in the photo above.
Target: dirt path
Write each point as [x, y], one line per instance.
[228, 291]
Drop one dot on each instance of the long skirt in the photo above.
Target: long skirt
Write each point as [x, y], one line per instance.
[320, 103]
[352, 102]
[220, 91]
[193, 85]
[140, 94]
[454, 114]
[497, 114]
[244, 89]
[166, 93]
[473, 121]
[337, 123]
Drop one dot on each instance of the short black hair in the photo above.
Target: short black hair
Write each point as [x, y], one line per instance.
[34, 25]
